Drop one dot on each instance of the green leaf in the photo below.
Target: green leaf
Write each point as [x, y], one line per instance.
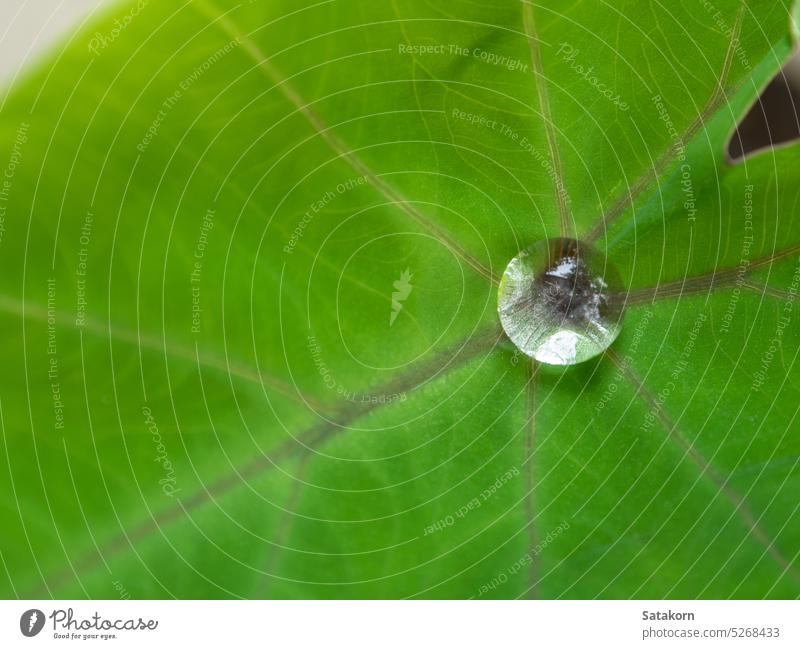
[250, 262]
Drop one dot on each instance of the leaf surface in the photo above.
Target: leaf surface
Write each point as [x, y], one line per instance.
[251, 255]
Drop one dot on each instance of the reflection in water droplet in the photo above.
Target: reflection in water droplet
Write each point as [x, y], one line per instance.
[554, 302]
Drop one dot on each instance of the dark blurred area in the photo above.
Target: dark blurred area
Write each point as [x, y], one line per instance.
[775, 118]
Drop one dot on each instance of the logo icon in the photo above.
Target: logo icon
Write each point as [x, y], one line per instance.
[31, 622]
[403, 289]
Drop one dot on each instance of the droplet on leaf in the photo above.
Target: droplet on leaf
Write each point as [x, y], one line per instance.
[555, 302]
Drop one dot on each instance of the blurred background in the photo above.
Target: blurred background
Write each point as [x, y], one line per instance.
[775, 118]
[32, 27]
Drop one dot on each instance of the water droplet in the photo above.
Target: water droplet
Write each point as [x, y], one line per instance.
[554, 302]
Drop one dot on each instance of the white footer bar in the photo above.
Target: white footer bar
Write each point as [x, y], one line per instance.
[404, 624]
